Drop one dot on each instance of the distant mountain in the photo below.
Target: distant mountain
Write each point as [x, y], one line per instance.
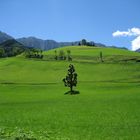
[100, 45]
[4, 37]
[42, 44]
[33, 42]
[46, 44]
[39, 43]
[123, 48]
[138, 50]
[11, 48]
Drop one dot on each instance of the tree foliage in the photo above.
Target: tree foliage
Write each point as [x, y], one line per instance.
[11, 48]
[69, 55]
[101, 57]
[84, 42]
[61, 55]
[56, 57]
[71, 78]
[33, 53]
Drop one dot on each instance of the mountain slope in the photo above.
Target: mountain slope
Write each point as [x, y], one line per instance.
[42, 44]
[34, 42]
[11, 48]
[47, 44]
[4, 37]
[138, 50]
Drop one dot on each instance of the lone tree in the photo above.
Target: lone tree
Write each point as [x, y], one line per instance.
[69, 55]
[71, 78]
[101, 57]
[56, 57]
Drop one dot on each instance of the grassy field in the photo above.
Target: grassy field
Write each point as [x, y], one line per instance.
[33, 104]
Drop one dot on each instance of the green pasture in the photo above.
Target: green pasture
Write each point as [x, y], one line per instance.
[32, 97]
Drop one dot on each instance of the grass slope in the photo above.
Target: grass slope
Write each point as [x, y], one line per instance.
[91, 54]
[32, 96]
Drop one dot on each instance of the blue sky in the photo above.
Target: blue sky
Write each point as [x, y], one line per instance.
[71, 20]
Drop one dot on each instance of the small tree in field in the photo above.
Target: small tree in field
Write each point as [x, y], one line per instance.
[56, 57]
[71, 78]
[101, 57]
[62, 55]
[69, 55]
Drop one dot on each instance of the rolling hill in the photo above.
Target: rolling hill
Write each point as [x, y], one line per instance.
[33, 104]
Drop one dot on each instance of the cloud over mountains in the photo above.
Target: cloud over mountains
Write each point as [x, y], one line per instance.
[135, 44]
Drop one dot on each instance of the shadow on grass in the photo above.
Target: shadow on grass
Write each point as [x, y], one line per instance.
[72, 92]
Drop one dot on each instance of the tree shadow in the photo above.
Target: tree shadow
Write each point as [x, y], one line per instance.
[72, 92]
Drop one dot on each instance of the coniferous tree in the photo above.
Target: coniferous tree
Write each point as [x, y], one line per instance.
[71, 78]
[56, 57]
[101, 57]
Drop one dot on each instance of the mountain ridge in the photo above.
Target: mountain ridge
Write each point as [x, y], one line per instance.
[4, 37]
[34, 42]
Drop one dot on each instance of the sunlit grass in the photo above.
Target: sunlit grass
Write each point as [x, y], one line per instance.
[32, 97]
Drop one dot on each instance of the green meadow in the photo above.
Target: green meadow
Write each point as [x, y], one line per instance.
[33, 105]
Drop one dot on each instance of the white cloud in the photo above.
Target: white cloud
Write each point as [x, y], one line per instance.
[135, 31]
[135, 44]
[120, 33]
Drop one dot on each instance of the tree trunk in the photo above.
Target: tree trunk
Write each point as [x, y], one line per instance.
[71, 89]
